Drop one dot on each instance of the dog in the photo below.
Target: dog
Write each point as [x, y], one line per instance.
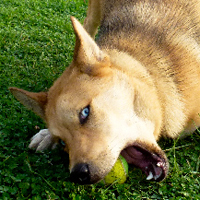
[139, 81]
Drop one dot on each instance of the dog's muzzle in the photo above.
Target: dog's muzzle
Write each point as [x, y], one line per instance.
[80, 174]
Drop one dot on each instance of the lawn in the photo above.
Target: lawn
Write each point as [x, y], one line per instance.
[36, 45]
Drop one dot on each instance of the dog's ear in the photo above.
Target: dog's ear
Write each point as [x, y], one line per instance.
[33, 101]
[87, 53]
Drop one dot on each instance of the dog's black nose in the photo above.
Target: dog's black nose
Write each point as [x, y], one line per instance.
[80, 174]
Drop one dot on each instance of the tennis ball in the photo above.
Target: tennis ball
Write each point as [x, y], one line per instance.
[118, 173]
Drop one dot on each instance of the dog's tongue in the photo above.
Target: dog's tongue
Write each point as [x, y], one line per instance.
[151, 164]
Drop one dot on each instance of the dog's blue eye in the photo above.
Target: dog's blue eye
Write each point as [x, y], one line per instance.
[83, 115]
[85, 112]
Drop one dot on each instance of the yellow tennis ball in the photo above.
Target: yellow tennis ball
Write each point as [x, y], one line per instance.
[118, 173]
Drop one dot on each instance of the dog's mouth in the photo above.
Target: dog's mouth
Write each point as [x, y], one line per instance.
[152, 162]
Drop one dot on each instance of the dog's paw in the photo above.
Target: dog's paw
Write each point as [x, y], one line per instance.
[42, 140]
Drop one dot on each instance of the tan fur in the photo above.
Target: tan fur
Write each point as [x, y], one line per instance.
[141, 80]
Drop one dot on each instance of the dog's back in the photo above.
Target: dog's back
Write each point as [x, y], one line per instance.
[164, 37]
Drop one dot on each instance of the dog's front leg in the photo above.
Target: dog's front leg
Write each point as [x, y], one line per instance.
[92, 21]
[42, 140]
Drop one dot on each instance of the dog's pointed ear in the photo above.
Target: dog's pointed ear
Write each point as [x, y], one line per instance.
[86, 50]
[33, 101]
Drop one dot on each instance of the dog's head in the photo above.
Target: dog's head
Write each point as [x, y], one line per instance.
[98, 113]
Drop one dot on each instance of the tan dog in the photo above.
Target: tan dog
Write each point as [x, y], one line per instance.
[140, 81]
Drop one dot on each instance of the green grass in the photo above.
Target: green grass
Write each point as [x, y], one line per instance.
[36, 45]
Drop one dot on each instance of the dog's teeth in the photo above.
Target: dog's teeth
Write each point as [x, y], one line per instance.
[159, 164]
[150, 176]
[156, 177]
